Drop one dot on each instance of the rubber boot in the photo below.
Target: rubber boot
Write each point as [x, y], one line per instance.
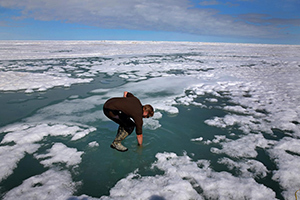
[121, 135]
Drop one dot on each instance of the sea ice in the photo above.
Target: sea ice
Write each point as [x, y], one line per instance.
[252, 88]
[93, 144]
[52, 184]
[185, 179]
[60, 153]
[22, 138]
[244, 147]
[10, 81]
[286, 154]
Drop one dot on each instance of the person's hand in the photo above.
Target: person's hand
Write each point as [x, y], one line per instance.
[139, 139]
[125, 94]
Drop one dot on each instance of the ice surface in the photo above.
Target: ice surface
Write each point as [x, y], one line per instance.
[184, 179]
[25, 137]
[246, 95]
[93, 144]
[248, 168]
[10, 81]
[286, 154]
[12, 155]
[243, 147]
[197, 139]
[52, 184]
[60, 153]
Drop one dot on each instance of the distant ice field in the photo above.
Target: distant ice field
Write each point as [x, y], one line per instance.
[226, 123]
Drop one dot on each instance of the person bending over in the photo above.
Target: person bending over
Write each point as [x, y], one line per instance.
[121, 110]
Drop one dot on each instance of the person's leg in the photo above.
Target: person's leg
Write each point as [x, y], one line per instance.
[121, 135]
[126, 127]
[127, 123]
[121, 119]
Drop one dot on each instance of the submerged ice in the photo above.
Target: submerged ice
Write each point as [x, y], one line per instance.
[226, 124]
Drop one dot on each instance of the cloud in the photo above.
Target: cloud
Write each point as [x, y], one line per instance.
[262, 19]
[215, 3]
[155, 15]
[209, 3]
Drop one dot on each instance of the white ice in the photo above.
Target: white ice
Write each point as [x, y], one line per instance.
[197, 139]
[286, 154]
[10, 81]
[24, 138]
[244, 147]
[185, 179]
[60, 153]
[261, 81]
[52, 184]
[93, 144]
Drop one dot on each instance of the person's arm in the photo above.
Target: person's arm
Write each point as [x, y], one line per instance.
[139, 130]
[139, 139]
[125, 94]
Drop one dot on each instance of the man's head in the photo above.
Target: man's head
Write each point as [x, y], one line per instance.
[148, 111]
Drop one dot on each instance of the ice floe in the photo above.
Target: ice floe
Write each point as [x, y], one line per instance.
[252, 89]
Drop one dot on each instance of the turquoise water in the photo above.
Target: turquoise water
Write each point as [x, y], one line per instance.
[102, 167]
[224, 126]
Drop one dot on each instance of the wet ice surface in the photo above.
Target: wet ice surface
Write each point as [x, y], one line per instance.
[226, 124]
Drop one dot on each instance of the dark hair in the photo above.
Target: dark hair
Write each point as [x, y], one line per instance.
[149, 109]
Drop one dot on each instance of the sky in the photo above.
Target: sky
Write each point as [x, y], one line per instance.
[236, 21]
